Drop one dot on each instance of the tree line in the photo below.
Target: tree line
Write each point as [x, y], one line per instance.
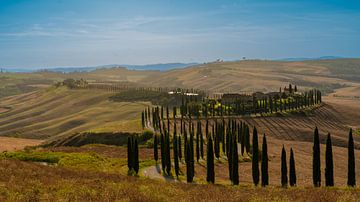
[221, 140]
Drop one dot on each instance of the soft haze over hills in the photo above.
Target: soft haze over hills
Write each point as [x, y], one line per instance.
[92, 33]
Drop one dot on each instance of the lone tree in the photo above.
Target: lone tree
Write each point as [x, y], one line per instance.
[329, 170]
[316, 160]
[351, 161]
[292, 172]
[255, 158]
[284, 178]
[210, 172]
[264, 164]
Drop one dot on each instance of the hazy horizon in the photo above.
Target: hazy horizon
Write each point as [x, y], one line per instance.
[79, 33]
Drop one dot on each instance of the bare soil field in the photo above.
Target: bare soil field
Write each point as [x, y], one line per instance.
[13, 144]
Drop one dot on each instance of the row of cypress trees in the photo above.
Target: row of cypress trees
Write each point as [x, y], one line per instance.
[329, 162]
[230, 149]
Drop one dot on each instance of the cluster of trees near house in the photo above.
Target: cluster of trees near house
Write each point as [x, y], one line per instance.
[222, 139]
[239, 105]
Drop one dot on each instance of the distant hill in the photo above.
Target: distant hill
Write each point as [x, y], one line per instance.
[305, 59]
[159, 67]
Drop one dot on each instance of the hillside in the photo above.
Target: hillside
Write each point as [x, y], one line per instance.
[59, 111]
[245, 75]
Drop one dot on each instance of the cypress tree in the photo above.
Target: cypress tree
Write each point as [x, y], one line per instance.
[130, 154]
[292, 172]
[351, 161]
[179, 148]
[168, 158]
[284, 178]
[201, 143]
[197, 143]
[189, 169]
[210, 171]
[316, 159]
[156, 157]
[255, 158]
[264, 164]
[329, 169]
[136, 156]
[162, 152]
[142, 120]
[176, 157]
[235, 162]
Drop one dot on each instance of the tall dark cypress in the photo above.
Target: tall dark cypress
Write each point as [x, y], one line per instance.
[130, 153]
[292, 171]
[351, 161]
[201, 143]
[316, 159]
[168, 158]
[235, 162]
[162, 152]
[329, 170]
[189, 163]
[142, 120]
[179, 148]
[176, 157]
[197, 142]
[156, 157]
[210, 171]
[255, 158]
[264, 164]
[136, 156]
[284, 178]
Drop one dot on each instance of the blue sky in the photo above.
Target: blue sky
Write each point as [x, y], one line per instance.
[52, 33]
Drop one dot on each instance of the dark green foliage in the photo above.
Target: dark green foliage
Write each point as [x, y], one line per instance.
[201, 143]
[156, 156]
[329, 169]
[235, 162]
[264, 164]
[189, 163]
[255, 158]
[210, 171]
[176, 157]
[136, 156]
[167, 151]
[284, 178]
[142, 120]
[133, 154]
[292, 171]
[179, 148]
[162, 152]
[351, 161]
[197, 141]
[316, 159]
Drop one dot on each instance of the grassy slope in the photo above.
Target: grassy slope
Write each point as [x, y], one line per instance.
[55, 112]
[92, 176]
